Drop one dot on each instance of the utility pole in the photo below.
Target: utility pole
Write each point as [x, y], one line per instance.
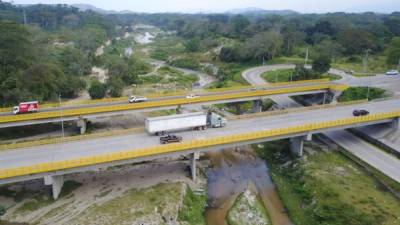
[398, 65]
[61, 116]
[25, 20]
[305, 61]
[365, 61]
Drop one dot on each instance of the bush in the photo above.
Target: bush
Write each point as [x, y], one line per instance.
[322, 64]
[193, 209]
[188, 63]
[97, 90]
[115, 86]
[2, 210]
[359, 93]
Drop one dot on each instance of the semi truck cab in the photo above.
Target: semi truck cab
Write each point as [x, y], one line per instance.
[214, 120]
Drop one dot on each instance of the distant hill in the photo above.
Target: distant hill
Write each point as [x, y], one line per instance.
[87, 7]
[260, 11]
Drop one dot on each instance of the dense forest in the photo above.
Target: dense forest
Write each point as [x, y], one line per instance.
[47, 50]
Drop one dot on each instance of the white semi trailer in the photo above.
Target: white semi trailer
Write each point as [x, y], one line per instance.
[198, 120]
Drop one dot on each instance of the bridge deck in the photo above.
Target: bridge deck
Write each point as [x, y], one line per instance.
[89, 148]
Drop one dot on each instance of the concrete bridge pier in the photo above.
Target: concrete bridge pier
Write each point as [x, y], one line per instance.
[179, 109]
[332, 96]
[82, 124]
[56, 182]
[297, 143]
[257, 106]
[193, 157]
[396, 124]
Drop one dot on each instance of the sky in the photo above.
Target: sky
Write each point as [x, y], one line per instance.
[305, 6]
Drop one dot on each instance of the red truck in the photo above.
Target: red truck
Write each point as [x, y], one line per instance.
[26, 107]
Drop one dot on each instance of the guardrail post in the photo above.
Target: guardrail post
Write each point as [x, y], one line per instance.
[82, 124]
[56, 182]
[193, 157]
[257, 106]
[396, 124]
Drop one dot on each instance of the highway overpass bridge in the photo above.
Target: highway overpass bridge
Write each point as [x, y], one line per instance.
[51, 162]
[86, 112]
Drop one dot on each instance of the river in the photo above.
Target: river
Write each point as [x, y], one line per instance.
[232, 170]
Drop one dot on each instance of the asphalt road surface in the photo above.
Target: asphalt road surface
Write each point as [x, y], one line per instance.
[363, 150]
[82, 148]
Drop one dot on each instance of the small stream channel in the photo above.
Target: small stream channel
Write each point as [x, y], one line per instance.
[232, 170]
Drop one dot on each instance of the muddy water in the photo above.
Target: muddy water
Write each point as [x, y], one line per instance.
[232, 170]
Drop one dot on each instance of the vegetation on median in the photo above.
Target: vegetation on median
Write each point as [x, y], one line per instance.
[360, 93]
[327, 188]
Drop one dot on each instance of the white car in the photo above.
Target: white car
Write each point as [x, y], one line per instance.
[191, 96]
[392, 72]
[136, 99]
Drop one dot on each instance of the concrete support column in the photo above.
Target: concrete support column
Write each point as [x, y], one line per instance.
[179, 109]
[257, 106]
[396, 124]
[193, 158]
[332, 96]
[82, 124]
[297, 143]
[56, 182]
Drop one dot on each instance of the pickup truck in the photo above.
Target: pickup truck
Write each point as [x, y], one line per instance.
[170, 139]
[136, 99]
[361, 112]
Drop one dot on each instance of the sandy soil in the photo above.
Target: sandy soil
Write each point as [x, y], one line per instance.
[100, 74]
[97, 188]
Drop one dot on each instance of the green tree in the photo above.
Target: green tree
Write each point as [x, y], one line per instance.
[2, 210]
[16, 50]
[322, 64]
[43, 81]
[239, 23]
[115, 86]
[97, 90]
[74, 61]
[192, 45]
[356, 41]
[302, 73]
[393, 52]
[266, 44]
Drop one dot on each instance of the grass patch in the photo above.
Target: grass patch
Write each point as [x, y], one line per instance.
[194, 206]
[376, 64]
[276, 76]
[186, 62]
[285, 75]
[37, 202]
[328, 188]
[153, 205]
[168, 75]
[230, 75]
[360, 93]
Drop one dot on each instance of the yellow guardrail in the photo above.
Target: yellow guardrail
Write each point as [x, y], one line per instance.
[196, 144]
[323, 80]
[164, 103]
[159, 95]
[25, 144]
[292, 110]
[279, 84]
